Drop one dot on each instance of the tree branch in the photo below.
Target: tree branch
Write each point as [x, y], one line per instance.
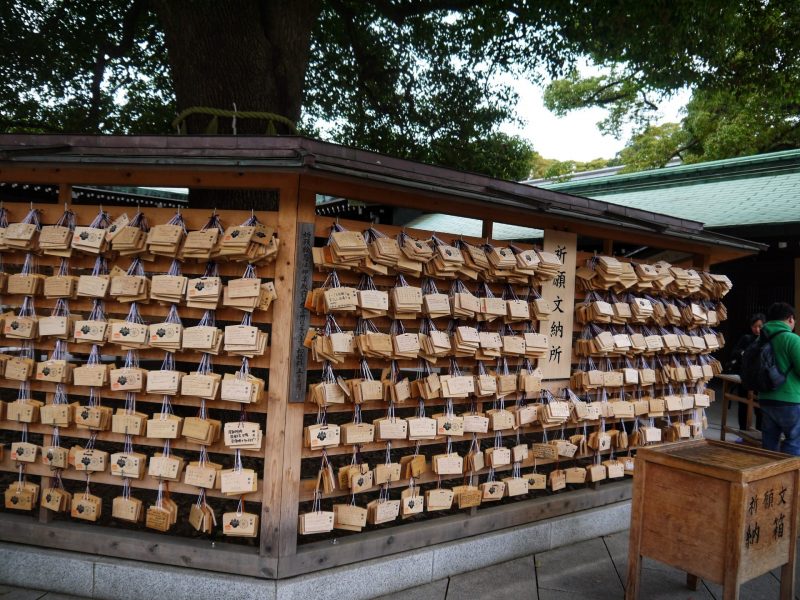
[687, 146]
[783, 140]
[361, 55]
[108, 52]
[648, 103]
[596, 94]
[399, 12]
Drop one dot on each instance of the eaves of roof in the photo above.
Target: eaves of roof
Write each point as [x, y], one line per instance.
[291, 153]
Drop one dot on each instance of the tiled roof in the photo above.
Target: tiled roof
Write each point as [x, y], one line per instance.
[740, 191]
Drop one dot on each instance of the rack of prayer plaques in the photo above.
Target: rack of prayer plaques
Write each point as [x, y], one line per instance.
[447, 372]
[137, 358]
[412, 374]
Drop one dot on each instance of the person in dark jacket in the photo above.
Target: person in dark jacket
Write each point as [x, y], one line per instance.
[781, 407]
[735, 366]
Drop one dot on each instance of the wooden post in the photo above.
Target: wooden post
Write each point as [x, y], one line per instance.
[45, 516]
[608, 247]
[278, 399]
[701, 261]
[635, 540]
[797, 282]
[692, 582]
[65, 193]
[293, 424]
[486, 229]
[724, 423]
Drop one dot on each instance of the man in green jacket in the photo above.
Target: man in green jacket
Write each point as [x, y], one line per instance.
[781, 407]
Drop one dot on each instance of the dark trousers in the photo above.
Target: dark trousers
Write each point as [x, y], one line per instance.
[782, 418]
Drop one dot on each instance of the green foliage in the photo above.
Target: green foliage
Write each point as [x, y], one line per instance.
[652, 147]
[717, 125]
[420, 83]
[561, 170]
[614, 92]
[498, 154]
[412, 81]
[82, 67]
[421, 79]
[727, 123]
[741, 60]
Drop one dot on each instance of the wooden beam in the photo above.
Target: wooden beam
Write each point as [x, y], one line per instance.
[136, 545]
[608, 247]
[172, 176]
[384, 542]
[346, 186]
[423, 200]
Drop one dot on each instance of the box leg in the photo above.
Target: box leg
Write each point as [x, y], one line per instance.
[787, 581]
[730, 591]
[635, 540]
[634, 575]
[692, 582]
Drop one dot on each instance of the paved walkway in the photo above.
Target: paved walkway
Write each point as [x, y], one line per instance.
[591, 570]
[13, 593]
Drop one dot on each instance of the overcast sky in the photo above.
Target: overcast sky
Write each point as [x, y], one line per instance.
[575, 136]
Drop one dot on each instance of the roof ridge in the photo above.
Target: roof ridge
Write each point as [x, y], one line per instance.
[744, 165]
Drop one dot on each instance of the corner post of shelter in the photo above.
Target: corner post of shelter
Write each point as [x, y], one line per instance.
[486, 228]
[294, 408]
[701, 261]
[278, 427]
[65, 193]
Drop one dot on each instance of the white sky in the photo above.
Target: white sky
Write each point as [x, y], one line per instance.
[575, 136]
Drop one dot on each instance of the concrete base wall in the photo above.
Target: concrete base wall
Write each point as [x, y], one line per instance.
[112, 579]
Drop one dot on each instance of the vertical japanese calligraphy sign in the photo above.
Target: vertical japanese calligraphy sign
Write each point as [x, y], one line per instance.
[302, 285]
[560, 292]
[767, 528]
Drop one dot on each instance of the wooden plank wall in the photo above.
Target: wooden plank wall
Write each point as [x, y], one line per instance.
[262, 366]
[374, 453]
[288, 470]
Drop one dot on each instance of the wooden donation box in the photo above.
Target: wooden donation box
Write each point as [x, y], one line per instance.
[721, 512]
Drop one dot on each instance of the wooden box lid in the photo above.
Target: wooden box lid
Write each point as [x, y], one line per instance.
[721, 460]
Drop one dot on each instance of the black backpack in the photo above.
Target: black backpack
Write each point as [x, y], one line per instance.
[760, 371]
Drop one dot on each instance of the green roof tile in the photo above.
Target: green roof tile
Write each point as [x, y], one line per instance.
[740, 191]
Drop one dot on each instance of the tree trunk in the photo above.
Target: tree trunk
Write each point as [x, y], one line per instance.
[251, 53]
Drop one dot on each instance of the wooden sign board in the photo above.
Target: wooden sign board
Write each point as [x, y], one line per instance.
[560, 292]
[298, 362]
